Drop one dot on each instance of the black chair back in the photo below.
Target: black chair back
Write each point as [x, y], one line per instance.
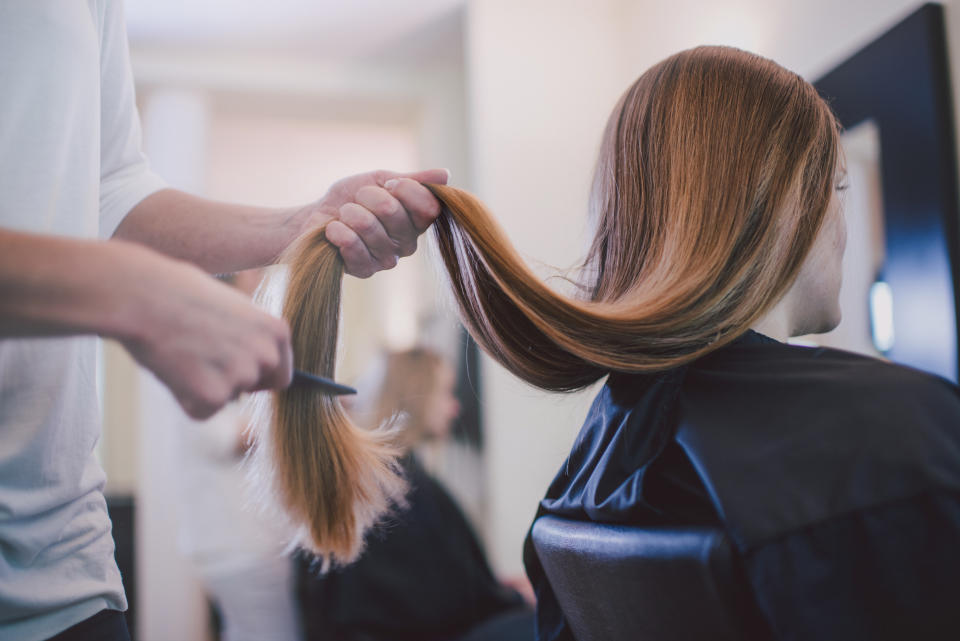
[627, 583]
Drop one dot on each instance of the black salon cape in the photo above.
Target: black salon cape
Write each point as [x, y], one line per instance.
[422, 577]
[836, 476]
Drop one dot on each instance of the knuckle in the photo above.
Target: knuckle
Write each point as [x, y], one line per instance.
[352, 247]
[433, 209]
[386, 209]
[347, 212]
[215, 392]
[190, 407]
[366, 223]
[354, 256]
[370, 193]
[427, 206]
[362, 271]
[280, 329]
[270, 356]
[350, 209]
[206, 411]
[380, 203]
[247, 373]
[216, 397]
[361, 227]
[248, 382]
[200, 408]
[358, 218]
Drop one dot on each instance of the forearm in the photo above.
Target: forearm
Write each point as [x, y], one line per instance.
[58, 286]
[218, 237]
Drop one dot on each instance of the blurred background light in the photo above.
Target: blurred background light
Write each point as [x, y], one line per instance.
[881, 315]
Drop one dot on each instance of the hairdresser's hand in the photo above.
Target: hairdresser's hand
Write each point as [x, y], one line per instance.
[204, 340]
[375, 218]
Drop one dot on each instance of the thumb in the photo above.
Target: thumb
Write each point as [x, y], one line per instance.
[436, 176]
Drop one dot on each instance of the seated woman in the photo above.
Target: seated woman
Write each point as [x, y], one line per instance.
[719, 235]
[423, 575]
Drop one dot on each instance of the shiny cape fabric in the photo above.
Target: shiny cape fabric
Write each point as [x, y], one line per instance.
[834, 474]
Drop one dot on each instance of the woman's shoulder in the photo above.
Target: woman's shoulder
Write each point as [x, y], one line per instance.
[849, 381]
[799, 434]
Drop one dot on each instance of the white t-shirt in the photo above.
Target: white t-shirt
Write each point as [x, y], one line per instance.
[70, 165]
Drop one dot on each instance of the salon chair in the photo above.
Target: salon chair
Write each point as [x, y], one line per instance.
[629, 583]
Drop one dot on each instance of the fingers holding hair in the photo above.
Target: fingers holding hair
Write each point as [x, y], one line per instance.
[421, 206]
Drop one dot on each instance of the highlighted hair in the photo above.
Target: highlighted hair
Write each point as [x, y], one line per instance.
[714, 177]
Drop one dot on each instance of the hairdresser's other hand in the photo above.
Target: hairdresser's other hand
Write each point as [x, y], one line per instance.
[375, 218]
[204, 340]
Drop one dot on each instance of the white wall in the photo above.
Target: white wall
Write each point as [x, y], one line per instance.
[808, 37]
[175, 125]
[543, 77]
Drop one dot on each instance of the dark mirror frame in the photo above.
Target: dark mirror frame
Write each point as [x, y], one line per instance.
[901, 81]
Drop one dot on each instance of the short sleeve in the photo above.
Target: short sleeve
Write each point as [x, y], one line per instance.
[125, 176]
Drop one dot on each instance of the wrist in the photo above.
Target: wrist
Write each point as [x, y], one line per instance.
[302, 219]
[135, 302]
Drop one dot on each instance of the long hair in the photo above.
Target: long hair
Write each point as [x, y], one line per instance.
[713, 179]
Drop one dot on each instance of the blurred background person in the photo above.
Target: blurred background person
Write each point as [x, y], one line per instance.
[237, 550]
[424, 575]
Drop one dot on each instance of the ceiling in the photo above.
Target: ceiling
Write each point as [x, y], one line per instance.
[330, 29]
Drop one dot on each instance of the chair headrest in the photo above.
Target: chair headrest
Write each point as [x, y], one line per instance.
[619, 582]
